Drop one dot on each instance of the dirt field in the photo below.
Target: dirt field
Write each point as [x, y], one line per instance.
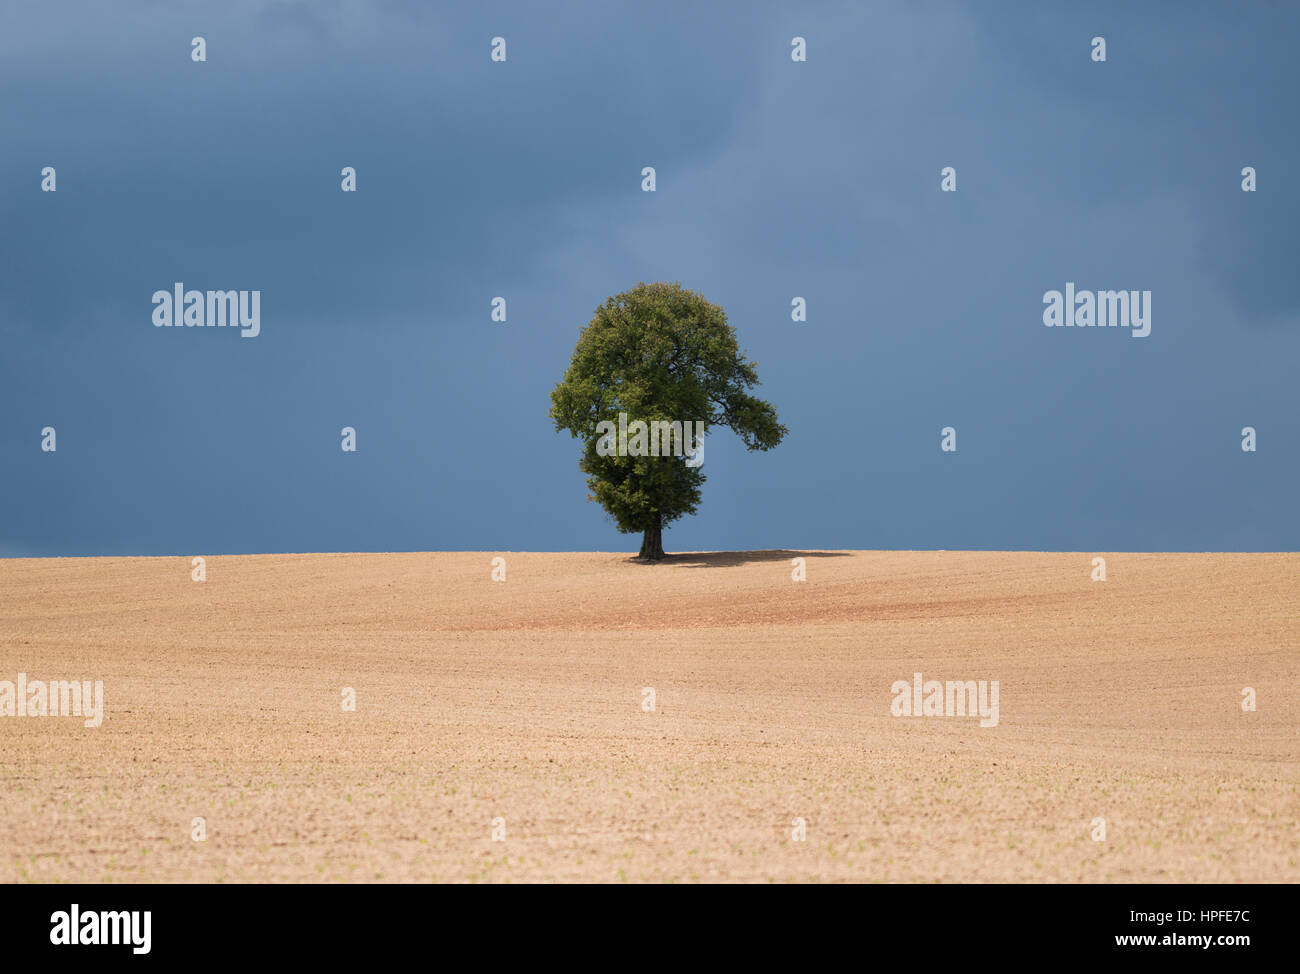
[522, 700]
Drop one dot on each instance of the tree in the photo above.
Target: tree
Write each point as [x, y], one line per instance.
[658, 353]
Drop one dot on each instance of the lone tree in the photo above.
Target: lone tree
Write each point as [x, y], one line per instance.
[658, 353]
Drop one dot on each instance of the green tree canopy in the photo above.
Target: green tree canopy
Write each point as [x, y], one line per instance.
[658, 353]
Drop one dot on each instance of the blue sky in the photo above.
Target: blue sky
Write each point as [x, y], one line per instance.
[522, 179]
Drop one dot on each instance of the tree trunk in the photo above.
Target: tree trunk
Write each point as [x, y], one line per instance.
[652, 542]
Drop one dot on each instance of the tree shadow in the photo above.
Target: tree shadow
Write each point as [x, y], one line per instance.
[729, 559]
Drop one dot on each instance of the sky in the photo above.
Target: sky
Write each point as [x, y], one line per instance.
[522, 178]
